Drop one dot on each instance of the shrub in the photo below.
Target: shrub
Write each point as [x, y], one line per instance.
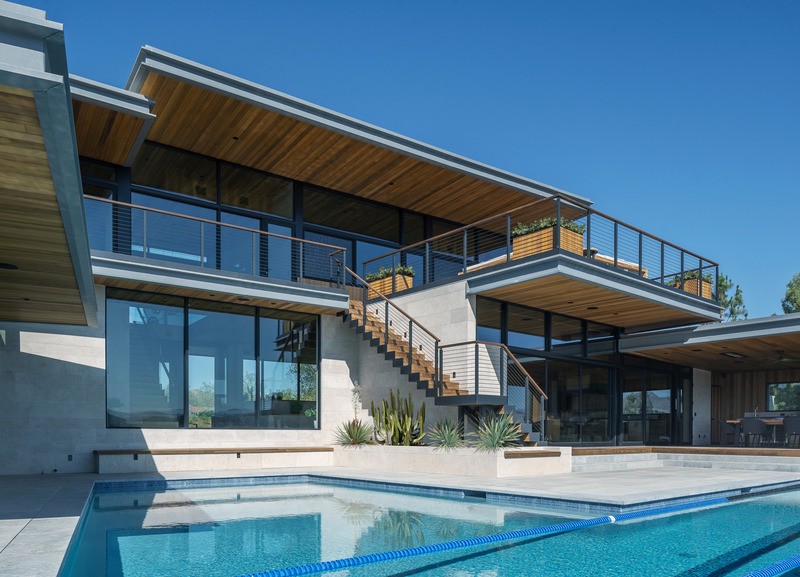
[693, 274]
[354, 433]
[497, 432]
[384, 272]
[522, 229]
[447, 435]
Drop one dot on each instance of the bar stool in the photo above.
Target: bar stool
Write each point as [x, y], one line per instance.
[753, 430]
[791, 427]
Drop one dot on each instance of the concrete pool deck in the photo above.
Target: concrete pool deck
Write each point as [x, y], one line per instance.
[39, 513]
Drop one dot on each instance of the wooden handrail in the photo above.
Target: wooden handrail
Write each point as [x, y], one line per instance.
[511, 356]
[337, 250]
[381, 295]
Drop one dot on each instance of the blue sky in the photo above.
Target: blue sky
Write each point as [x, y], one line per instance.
[681, 118]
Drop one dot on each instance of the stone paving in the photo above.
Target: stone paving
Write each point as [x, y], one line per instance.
[38, 514]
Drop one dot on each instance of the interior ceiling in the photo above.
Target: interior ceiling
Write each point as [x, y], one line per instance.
[43, 287]
[104, 134]
[566, 295]
[208, 123]
[763, 353]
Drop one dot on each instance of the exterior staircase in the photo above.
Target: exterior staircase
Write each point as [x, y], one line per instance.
[395, 348]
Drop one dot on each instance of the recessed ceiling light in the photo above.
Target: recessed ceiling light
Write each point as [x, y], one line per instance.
[697, 350]
[26, 299]
[8, 266]
[273, 303]
[236, 138]
[570, 302]
[212, 294]
[243, 299]
[592, 308]
[733, 355]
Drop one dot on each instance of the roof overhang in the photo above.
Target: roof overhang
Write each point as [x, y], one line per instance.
[209, 112]
[582, 288]
[43, 237]
[110, 123]
[768, 343]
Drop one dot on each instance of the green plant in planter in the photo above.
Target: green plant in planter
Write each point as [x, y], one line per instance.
[354, 433]
[447, 435]
[693, 274]
[384, 272]
[497, 432]
[396, 423]
[521, 229]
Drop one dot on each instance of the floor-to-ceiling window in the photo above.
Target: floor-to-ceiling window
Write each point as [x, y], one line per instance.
[193, 363]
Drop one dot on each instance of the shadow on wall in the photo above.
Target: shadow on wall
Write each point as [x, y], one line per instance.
[52, 400]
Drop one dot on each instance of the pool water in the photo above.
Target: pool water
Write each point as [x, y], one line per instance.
[233, 531]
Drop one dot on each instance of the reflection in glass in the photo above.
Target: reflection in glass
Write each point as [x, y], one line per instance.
[176, 171]
[239, 249]
[488, 316]
[98, 218]
[172, 238]
[632, 407]
[144, 348]
[564, 402]
[222, 375]
[253, 190]
[289, 374]
[350, 214]
[657, 409]
[525, 328]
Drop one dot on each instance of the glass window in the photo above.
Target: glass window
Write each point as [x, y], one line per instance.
[96, 170]
[253, 190]
[173, 238]
[279, 253]
[98, 217]
[565, 331]
[350, 214]
[414, 228]
[176, 171]
[488, 316]
[525, 328]
[317, 262]
[240, 249]
[289, 374]
[144, 356]
[222, 366]
[783, 397]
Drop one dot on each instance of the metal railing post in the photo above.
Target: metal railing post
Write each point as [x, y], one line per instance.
[557, 229]
[465, 251]
[386, 323]
[477, 368]
[616, 244]
[662, 262]
[436, 366]
[410, 343]
[682, 271]
[441, 369]
[589, 233]
[640, 253]
[503, 372]
[300, 264]
[202, 245]
[144, 234]
[528, 402]
[541, 418]
[426, 277]
[394, 273]
[716, 282]
[508, 236]
[364, 294]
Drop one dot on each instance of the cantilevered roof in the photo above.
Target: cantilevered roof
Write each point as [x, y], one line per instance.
[110, 123]
[210, 112]
[46, 274]
[769, 343]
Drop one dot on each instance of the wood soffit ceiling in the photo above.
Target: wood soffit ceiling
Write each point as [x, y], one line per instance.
[43, 288]
[565, 295]
[212, 124]
[104, 134]
[776, 352]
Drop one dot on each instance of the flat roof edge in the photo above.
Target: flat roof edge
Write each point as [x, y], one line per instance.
[153, 60]
[111, 97]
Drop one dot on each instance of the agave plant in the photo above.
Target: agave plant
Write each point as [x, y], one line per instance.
[497, 432]
[447, 435]
[354, 433]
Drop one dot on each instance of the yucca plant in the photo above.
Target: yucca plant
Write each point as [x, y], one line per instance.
[497, 432]
[447, 435]
[354, 433]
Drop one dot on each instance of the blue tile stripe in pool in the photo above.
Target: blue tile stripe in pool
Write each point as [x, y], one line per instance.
[546, 530]
[779, 568]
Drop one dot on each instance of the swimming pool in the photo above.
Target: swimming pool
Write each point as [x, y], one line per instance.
[236, 530]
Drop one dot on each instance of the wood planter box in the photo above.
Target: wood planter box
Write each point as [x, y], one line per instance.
[543, 241]
[690, 286]
[384, 285]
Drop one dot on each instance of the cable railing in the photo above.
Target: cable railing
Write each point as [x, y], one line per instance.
[529, 232]
[155, 234]
[490, 369]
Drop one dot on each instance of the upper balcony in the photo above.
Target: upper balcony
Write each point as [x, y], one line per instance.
[148, 249]
[593, 266]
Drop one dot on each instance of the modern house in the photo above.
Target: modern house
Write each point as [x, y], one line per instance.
[184, 261]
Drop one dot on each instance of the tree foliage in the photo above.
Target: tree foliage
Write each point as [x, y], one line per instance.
[733, 308]
[791, 300]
